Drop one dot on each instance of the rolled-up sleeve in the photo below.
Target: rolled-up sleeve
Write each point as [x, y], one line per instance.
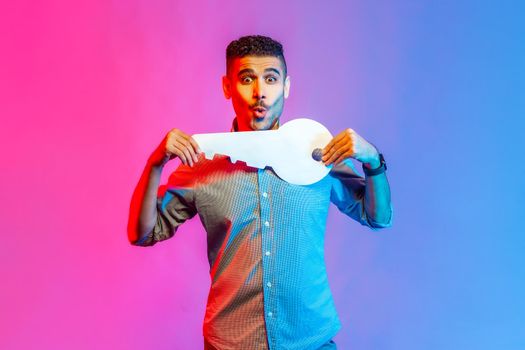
[174, 207]
[348, 195]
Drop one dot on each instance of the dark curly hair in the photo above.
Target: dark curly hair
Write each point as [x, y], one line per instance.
[254, 45]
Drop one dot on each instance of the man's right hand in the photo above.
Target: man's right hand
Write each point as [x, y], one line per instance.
[175, 144]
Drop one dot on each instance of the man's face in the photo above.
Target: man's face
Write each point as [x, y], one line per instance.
[257, 87]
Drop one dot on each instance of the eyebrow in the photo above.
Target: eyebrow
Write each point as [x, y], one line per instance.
[251, 71]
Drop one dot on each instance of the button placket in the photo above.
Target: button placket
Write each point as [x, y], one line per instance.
[267, 242]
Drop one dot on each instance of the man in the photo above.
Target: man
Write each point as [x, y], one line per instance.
[265, 236]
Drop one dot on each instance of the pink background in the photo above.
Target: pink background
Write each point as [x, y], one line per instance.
[89, 88]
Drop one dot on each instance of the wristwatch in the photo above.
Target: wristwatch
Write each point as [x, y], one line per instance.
[381, 169]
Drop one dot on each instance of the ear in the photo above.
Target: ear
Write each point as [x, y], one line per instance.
[287, 86]
[226, 87]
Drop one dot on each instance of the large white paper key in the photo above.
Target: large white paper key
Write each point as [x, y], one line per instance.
[293, 150]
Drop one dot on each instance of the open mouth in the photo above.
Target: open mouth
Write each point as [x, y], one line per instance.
[259, 112]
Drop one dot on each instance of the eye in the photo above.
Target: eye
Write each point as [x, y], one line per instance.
[246, 79]
[271, 79]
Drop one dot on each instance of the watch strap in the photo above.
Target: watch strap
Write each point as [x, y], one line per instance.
[381, 169]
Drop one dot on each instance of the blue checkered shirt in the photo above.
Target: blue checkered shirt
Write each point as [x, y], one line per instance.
[269, 286]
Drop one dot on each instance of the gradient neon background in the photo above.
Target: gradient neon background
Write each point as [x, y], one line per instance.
[89, 88]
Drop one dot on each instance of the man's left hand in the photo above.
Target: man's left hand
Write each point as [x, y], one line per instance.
[348, 144]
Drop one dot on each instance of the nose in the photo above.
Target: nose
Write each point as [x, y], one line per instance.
[259, 89]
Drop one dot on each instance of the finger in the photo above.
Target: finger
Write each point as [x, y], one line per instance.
[342, 152]
[331, 144]
[337, 144]
[328, 147]
[342, 157]
[328, 150]
[183, 150]
[336, 152]
[187, 151]
[196, 147]
[190, 145]
[174, 150]
[332, 156]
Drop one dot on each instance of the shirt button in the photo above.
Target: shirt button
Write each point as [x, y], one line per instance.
[270, 314]
[265, 194]
[269, 284]
[268, 253]
[266, 223]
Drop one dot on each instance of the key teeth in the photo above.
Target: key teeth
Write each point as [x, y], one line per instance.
[209, 155]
